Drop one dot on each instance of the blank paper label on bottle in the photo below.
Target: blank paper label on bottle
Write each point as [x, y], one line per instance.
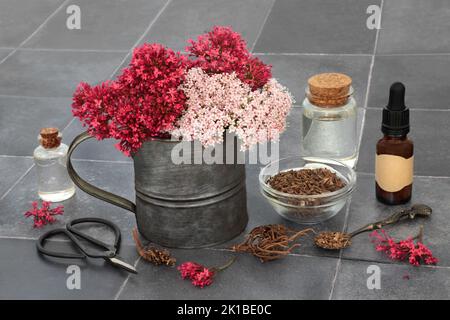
[393, 173]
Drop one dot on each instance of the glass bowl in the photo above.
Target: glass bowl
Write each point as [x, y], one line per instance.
[307, 209]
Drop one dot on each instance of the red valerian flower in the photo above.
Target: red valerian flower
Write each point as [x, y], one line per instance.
[95, 106]
[256, 73]
[203, 278]
[416, 253]
[223, 50]
[43, 215]
[189, 269]
[142, 103]
[200, 275]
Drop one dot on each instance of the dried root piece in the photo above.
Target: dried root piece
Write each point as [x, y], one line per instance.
[270, 242]
[152, 254]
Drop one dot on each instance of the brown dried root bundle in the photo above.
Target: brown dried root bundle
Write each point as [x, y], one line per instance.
[152, 254]
[270, 242]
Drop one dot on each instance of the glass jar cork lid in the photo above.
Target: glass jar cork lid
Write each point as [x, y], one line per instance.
[50, 138]
[329, 90]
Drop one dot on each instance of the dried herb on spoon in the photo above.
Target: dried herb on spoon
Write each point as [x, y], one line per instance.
[339, 240]
[270, 242]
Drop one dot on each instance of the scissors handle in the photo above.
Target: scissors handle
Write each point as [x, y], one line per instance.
[57, 254]
[112, 249]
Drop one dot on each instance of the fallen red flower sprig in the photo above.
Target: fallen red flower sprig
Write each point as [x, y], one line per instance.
[416, 253]
[43, 215]
[200, 275]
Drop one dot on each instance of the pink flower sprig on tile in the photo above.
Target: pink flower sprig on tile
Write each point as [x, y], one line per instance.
[223, 50]
[219, 102]
[200, 275]
[44, 215]
[415, 252]
[143, 103]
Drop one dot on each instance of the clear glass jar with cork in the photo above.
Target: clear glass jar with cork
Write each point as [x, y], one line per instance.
[54, 183]
[330, 119]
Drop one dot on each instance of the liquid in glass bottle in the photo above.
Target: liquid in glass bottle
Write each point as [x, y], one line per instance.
[54, 183]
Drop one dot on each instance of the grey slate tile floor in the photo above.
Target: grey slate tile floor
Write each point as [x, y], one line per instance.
[41, 61]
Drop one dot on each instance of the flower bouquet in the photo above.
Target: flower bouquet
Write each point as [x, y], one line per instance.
[219, 87]
[164, 99]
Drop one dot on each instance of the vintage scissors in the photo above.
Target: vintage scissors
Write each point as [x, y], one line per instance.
[109, 253]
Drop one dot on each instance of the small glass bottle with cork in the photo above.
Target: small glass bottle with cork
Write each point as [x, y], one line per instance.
[330, 119]
[54, 183]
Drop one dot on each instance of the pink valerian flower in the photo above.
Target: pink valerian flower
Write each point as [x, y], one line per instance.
[416, 253]
[263, 117]
[219, 102]
[223, 50]
[144, 102]
[200, 275]
[44, 215]
[211, 101]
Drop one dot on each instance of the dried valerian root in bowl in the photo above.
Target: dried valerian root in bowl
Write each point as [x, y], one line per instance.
[306, 181]
[270, 242]
[152, 254]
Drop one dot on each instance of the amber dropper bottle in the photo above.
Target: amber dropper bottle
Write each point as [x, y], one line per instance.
[395, 152]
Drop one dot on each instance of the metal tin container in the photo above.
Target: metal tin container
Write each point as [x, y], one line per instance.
[186, 205]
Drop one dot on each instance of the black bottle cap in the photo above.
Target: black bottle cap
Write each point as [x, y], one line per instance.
[396, 115]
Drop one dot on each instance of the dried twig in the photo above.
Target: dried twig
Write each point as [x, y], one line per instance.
[270, 242]
[152, 254]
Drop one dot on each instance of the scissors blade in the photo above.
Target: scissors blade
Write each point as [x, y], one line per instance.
[122, 264]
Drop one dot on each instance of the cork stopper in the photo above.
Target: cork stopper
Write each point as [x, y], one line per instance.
[50, 138]
[329, 90]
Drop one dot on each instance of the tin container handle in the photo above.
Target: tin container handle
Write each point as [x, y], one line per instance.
[89, 188]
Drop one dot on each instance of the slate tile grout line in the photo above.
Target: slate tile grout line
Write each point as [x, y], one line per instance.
[6, 58]
[299, 54]
[114, 71]
[31, 97]
[142, 36]
[369, 80]
[412, 54]
[134, 45]
[13, 156]
[339, 259]
[35, 31]
[124, 284]
[413, 109]
[262, 26]
[394, 263]
[5, 156]
[74, 50]
[16, 183]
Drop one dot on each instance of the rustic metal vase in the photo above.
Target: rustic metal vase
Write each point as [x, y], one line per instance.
[185, 205]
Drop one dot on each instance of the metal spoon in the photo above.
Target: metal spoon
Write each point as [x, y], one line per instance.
[339, 240]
